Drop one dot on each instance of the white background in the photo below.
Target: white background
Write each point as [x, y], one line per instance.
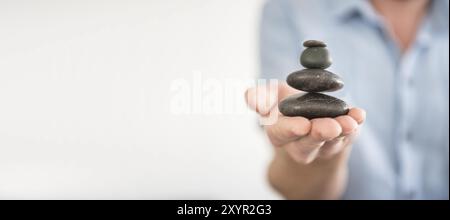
[85, 100]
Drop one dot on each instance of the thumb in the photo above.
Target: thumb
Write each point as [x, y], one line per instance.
[264, 98]
[284, 90]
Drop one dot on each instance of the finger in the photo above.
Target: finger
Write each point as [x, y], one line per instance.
[358, 114]
[332, 147]
[322, 130]
[301, 154]
[335, 146]
[347, 123]
[262, 98]
[288, 129]
[325, 129]
[284, 90]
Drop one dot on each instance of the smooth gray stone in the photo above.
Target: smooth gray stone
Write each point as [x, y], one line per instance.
[313, 105]
[316, 58]
[315, 80]
[314, 43]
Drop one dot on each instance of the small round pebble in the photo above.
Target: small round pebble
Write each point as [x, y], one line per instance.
[314, 43]
[316, 58]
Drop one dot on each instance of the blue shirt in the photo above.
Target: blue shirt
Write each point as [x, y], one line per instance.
[403, 149]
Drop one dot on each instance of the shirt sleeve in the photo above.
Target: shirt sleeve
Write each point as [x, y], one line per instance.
[279, 41]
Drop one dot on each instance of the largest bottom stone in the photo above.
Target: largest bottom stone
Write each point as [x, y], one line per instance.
[313, 105]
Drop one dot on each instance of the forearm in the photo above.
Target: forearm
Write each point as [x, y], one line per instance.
[322, 179]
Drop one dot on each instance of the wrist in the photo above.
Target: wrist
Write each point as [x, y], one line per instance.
[321, 179]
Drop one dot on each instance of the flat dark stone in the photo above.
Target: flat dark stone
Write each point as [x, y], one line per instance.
[316, 58]
[313, 105]
[315, 80]
[314, 43]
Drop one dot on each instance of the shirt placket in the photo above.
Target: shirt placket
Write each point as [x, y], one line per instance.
[407, 163]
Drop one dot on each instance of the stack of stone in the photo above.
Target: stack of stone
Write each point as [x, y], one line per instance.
[314, 80]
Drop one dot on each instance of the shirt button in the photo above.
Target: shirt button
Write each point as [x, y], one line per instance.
[410, 195]
[411, 82]
[409, 135]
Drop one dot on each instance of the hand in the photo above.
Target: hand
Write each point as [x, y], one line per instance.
[306, 140]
